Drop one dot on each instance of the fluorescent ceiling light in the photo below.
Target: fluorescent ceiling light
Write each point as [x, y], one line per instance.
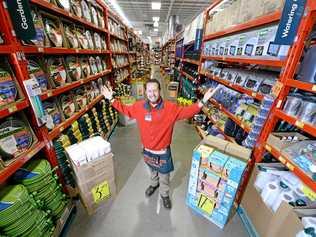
[119, 11]
[156, 24]
[155, 5]
[156, 29]
[156, 18]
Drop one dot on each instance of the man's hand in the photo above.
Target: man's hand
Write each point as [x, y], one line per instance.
[209, 94]
[107, 92]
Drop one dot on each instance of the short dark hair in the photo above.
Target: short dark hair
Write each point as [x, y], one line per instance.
[153, 81]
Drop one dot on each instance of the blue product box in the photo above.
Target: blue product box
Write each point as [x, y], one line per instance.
[217, 161]
[233, 170]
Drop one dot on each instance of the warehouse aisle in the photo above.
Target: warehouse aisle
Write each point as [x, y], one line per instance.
[134, 215]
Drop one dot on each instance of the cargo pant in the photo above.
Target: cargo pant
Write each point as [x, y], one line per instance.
[162, 179]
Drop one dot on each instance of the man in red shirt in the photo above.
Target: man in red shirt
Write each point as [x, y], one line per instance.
[156, 118]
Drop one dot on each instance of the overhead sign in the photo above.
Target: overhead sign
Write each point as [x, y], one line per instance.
[291, 17]
[21, 17]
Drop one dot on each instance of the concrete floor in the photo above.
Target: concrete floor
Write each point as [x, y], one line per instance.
[134, 215]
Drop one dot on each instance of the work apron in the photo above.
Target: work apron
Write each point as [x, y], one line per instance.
[161, 162]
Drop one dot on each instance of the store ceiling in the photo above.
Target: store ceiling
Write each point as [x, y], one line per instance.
[140, 13]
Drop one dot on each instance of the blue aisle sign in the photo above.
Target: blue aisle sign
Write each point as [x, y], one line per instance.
[291, 16]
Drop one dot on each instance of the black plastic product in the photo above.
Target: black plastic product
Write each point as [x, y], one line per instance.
[307, 71]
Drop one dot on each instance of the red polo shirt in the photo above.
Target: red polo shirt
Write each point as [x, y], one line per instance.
[156, 124]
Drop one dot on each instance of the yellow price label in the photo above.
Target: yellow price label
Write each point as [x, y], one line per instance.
[268, 148]
[314, 88]
[279, 104]
[290, 166]
[49, 94]
[101, 192]
[13, 109]
[309, 193]
[254, 94]
[299, 124]
[205, 204]
[282, 159]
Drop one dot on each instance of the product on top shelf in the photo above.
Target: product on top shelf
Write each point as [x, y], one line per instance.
[16, 137]
[73, 67]
[36, 71]
[76, 7]
[94, 14]
[57, 71]
[53, 32]
[65, 4]
[85, 10]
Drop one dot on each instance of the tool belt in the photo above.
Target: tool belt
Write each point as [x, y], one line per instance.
[161, 162]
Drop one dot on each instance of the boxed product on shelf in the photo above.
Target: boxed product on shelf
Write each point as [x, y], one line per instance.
[284, 221]
[16, 137]
[212, 187]
[10, 90]
[92, 162]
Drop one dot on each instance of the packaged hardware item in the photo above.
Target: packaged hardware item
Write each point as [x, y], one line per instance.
[90, 39]
[85, 66]
[16, 137]
[73, 67]
[8, 89]
[97, 41]
[76, 7]
[81, 98]
[99, 64]
[53, 32]
[83, 41]
[307, 71]
[93, 65]
[57, 71]
[94, 14]
[85, 10]
[71, 36]
[35, 71]
[67, 105]
[65, 4]
[54, 116]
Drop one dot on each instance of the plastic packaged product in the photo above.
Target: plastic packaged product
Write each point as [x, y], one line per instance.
[90, 40]
[57, 71]
[97, 41]
[39, 28]
[76, 8]
[85, 67]
[99, 65]
[35, 71]
[54, 116]
[83, 41]
[293, 105]
[53, 32]
[85, 10]
[93, 65]
[94, 15]
[72, 37]
[81, 98]
[67, 105]
[8, 90]
[74, 68]
[65, 4]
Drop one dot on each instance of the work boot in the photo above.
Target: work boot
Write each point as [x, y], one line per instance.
[150, 190]
[166, 202]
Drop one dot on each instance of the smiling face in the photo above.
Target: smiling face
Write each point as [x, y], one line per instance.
[152, 92]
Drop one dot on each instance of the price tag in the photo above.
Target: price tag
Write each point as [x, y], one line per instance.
[242, 126]
[290, 166]
[299, 124]
[81, 81]
[277, 88]
[253, 94]
[31, 154]
[49, 94]
[205, 204]
[12, 109]
[282, 159]
[279, 104]
[314, 88]
[268, 148]
[101, 192]
[61, 129]
[40, 49]
[77, 50]
[309, 193]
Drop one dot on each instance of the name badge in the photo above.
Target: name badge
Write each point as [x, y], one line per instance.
[148, 117]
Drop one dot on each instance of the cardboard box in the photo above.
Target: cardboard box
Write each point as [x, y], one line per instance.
[284, 222]
[275, 139]
[96, 184]
[217, 194]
